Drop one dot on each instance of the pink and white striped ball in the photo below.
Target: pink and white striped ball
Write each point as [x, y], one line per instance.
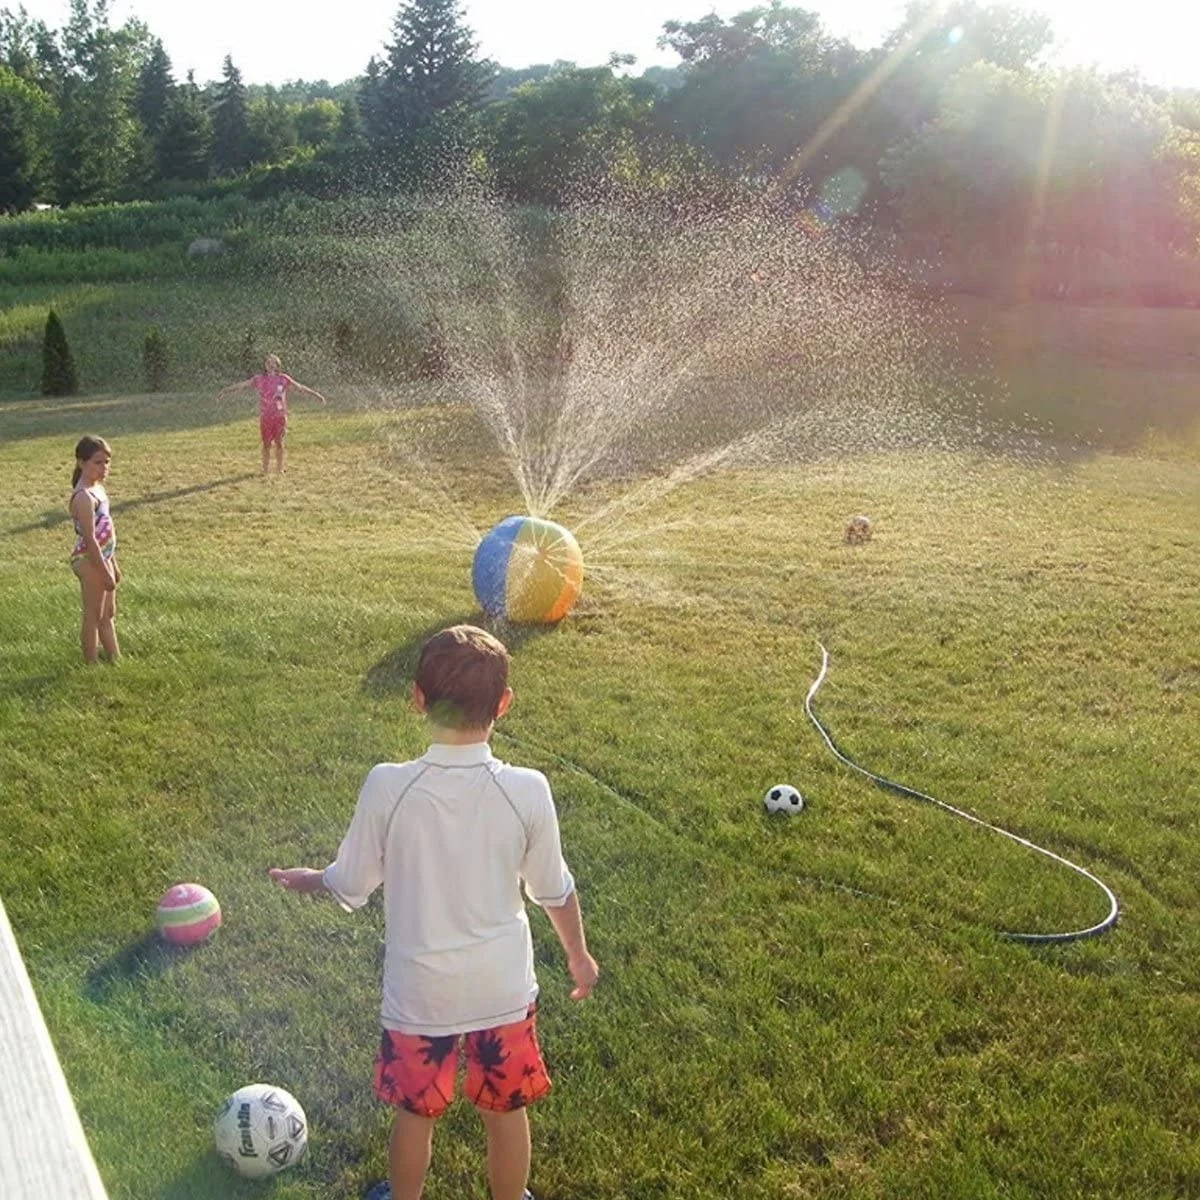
[187, 914]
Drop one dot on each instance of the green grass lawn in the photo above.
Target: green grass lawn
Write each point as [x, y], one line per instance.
[808, 1007]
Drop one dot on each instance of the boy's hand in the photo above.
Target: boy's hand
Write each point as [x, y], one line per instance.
[585, 972]
[298, 879]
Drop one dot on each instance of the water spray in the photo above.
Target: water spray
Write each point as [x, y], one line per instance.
[900, 790]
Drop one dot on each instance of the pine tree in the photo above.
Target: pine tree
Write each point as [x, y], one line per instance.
[431, 70]
[184, 144]
[272, 128]
[231, 122]
[154, 359]
[59, 377]
[351, 131]
[154, 90]
[249, 359]
[371, 106]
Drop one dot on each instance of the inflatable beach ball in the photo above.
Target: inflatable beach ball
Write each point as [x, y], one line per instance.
[187, 914]
[528, 571]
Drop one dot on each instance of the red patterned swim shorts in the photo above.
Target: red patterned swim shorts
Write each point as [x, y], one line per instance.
[505, 1070]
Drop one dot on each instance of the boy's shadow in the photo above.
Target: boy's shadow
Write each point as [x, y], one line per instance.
[148, 956]
[397, 669]
[208, 1176]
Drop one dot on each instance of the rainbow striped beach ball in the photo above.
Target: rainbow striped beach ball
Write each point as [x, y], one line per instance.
[528, 571]
[187, 914]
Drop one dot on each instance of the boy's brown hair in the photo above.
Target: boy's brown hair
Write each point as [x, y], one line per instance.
[462, 672]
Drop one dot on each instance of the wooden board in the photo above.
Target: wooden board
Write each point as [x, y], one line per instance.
[44, 1154]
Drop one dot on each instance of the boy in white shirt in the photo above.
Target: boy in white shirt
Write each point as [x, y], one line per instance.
[451, 836]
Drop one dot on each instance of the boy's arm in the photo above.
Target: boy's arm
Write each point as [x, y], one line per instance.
[568, 924]
[358, 869]
[299, 879]
[550, 885]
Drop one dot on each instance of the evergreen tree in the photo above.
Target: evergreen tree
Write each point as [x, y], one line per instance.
[50, 64]
[431, 72]
[185, 140]
[154, 359]
[371, 104]
[59, 377]
[272, 129]
[154, 89]
[231, 122]
[351, 130]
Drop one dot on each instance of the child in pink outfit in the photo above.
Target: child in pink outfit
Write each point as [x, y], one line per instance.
[272, 388]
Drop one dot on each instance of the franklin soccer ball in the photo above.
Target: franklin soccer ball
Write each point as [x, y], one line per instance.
[260, 1130]
[783, 798]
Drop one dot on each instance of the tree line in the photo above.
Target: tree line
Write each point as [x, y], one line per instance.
[953, 129]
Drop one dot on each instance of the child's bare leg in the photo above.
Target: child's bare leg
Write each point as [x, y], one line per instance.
[266, 457]
[279, 456]
[92, 595]
[508, 1152]
[408, 1154]
[108, 625]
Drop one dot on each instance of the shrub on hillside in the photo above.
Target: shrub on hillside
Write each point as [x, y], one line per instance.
[59, 377]
[249, 360]
[154, 360]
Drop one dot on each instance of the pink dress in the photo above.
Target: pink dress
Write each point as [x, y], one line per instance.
[272, 405]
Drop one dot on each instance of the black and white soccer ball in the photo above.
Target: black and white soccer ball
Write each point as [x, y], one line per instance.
[260, 1130]
[783, 798]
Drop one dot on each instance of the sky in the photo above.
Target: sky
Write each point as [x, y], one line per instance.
[272, 43]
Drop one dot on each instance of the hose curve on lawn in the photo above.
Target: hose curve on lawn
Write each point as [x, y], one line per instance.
[899, 788]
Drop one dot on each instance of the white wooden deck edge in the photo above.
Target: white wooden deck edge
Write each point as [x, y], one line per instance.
[44, 1154]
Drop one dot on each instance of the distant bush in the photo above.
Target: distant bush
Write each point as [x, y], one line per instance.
[136, 226]
[59, 377]
[30, 265]
[154, 360]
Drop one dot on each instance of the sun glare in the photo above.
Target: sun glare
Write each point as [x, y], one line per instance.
[1156, 37]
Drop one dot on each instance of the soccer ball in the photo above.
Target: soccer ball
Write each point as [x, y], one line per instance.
[858, 529]
[783, 798]
[260, 1130]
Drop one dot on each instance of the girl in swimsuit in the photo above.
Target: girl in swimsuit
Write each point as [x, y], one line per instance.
[94, 558]
[272, 388]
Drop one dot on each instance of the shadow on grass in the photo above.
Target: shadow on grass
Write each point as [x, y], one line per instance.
[147, 957]
[395, 671]
[114, 416]
[48, 520]
[209, 1176]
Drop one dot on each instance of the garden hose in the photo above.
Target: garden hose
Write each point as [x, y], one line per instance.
[899, 788]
